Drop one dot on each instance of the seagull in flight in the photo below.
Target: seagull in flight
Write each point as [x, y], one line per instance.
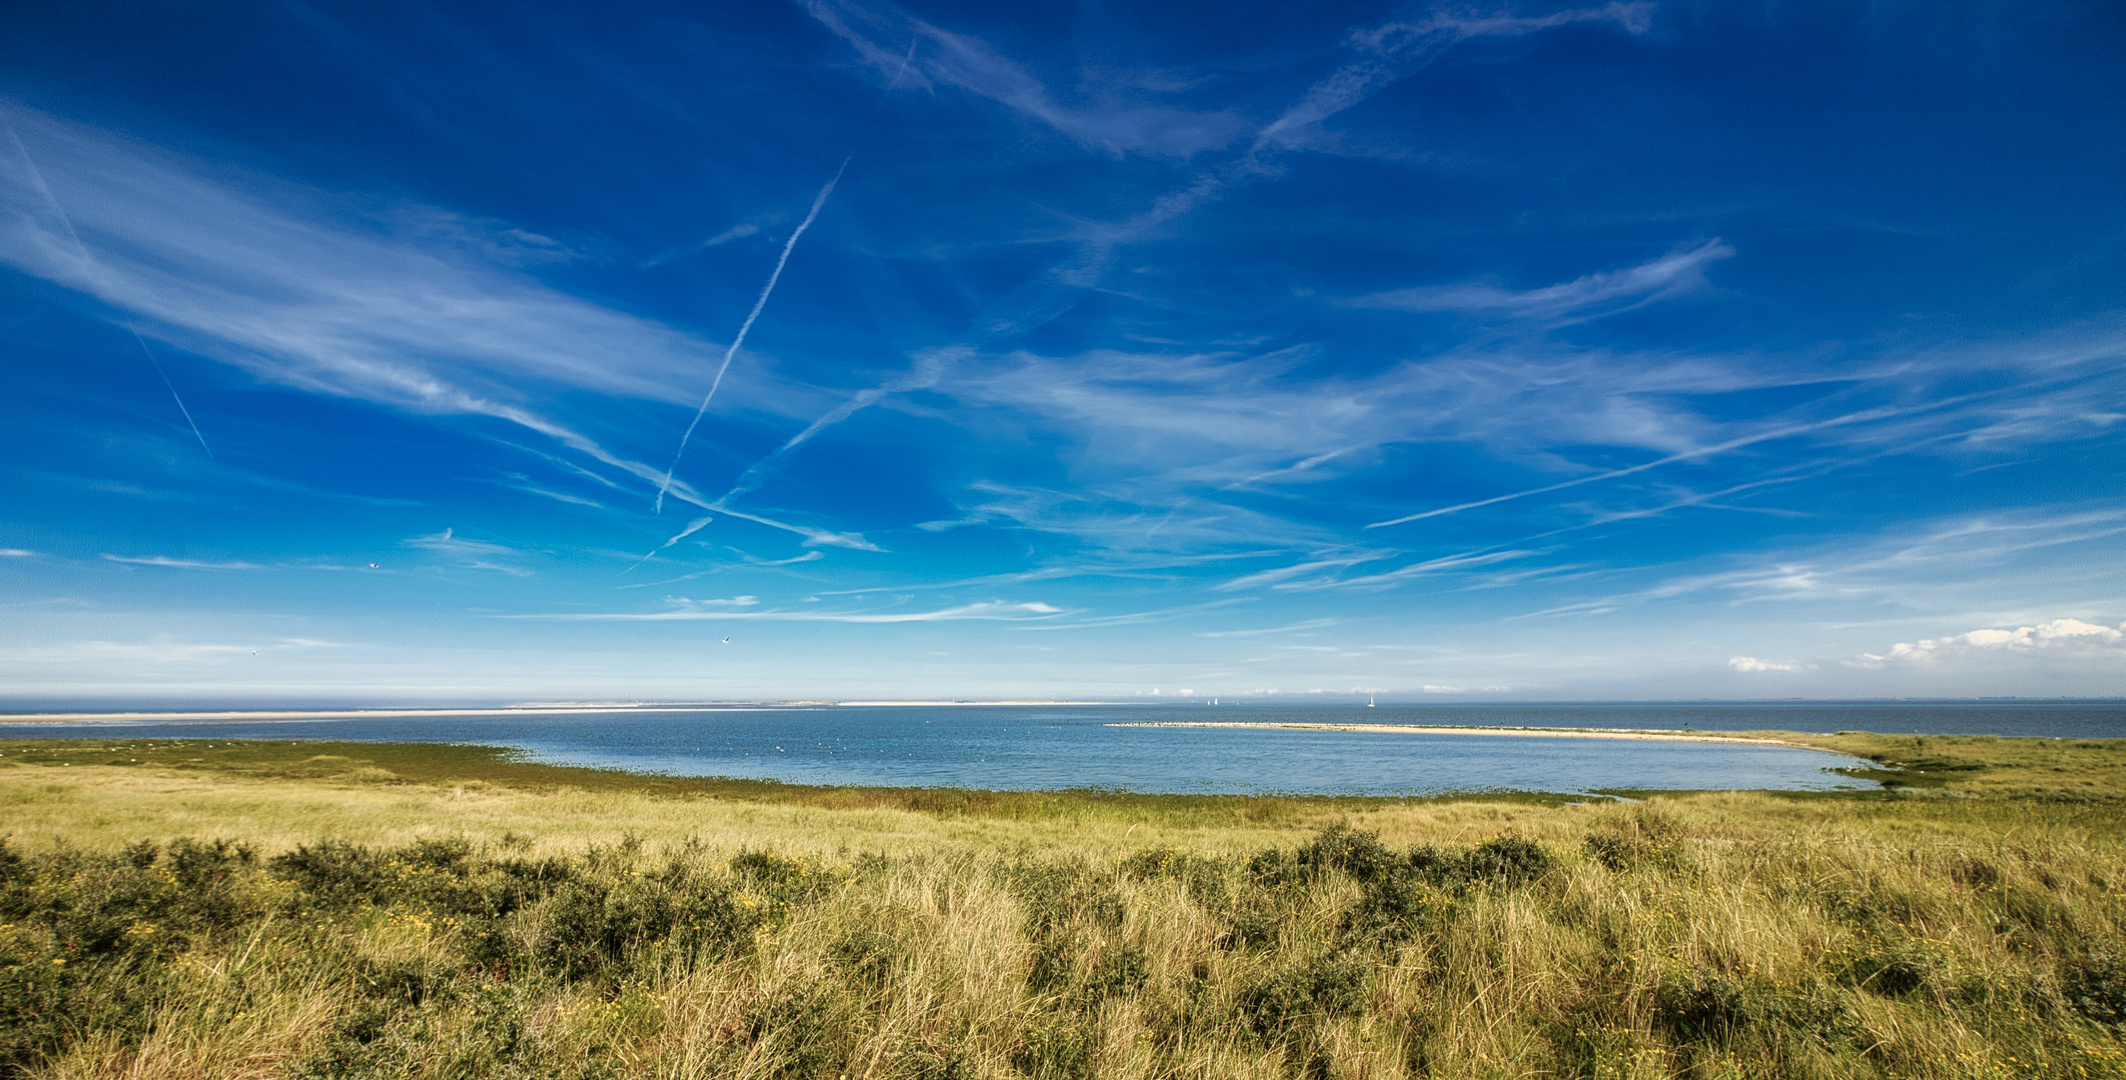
[727, 641]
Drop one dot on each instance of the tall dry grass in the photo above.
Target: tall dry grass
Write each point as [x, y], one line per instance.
[502, 934]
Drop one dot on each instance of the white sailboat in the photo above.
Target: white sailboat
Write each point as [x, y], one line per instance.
[1369, 702]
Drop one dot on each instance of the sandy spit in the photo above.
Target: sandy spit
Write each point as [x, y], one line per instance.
[1639, 734]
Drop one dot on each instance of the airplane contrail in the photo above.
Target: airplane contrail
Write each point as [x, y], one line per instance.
[1612, 474]
[905, 61]
[172, 387]
[817, 202]
[690, 530]
[37, 175]
[926, 373]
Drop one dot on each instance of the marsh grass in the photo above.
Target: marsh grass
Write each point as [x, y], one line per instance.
[466, 921]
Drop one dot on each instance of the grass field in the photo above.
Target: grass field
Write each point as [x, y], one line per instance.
[237, 909]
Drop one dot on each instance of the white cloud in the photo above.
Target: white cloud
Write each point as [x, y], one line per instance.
[1752, 664]
[2057, 634]
[15, 553]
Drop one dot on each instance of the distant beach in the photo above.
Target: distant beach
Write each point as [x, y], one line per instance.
[1635, 734]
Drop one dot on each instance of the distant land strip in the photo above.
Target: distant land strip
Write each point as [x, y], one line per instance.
[1639, 734]
[543, 708]
[941, 704]
[353, 714]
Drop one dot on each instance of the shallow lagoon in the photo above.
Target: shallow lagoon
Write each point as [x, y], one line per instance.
[1067, 746]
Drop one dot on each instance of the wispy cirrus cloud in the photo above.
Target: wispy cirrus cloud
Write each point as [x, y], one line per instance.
[1185, 444]
[938, 57]
[1934, 564]
[814, 535]
[339, 304]
[810, 556]
[1130, 618]
[1395, 50]
[472, 554]
[1387, 53]
[328, 306]
[161, 651]
[1300, 627]
[1775, 433]
[519, 482]
[735, 232]
[1173, 452]
[1601, 293]
[1422, 568]
[182, 564]
[1282, 575]
[741, 608]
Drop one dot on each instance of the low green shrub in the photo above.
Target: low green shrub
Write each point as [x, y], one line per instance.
[1294, 998]
[2095, 985]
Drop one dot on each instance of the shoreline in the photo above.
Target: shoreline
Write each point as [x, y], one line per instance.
[90, 719]
[1630, 734]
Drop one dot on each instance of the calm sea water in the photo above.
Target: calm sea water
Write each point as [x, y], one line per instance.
[1059, 746]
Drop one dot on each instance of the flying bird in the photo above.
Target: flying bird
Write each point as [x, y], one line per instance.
[727, 641]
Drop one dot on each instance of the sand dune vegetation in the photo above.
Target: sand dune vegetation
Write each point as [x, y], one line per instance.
[307, 910]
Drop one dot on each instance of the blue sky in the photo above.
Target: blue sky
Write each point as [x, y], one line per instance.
[1630, 350]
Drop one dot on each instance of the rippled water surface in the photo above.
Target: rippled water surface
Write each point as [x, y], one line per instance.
[1065, 746]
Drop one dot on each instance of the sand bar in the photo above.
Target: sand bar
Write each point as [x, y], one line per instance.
[1637, 734]
[968, 704]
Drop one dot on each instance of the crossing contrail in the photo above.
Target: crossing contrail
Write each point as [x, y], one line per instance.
[817, 202]
[1612, 474]
[683, 534]
[52, 201]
